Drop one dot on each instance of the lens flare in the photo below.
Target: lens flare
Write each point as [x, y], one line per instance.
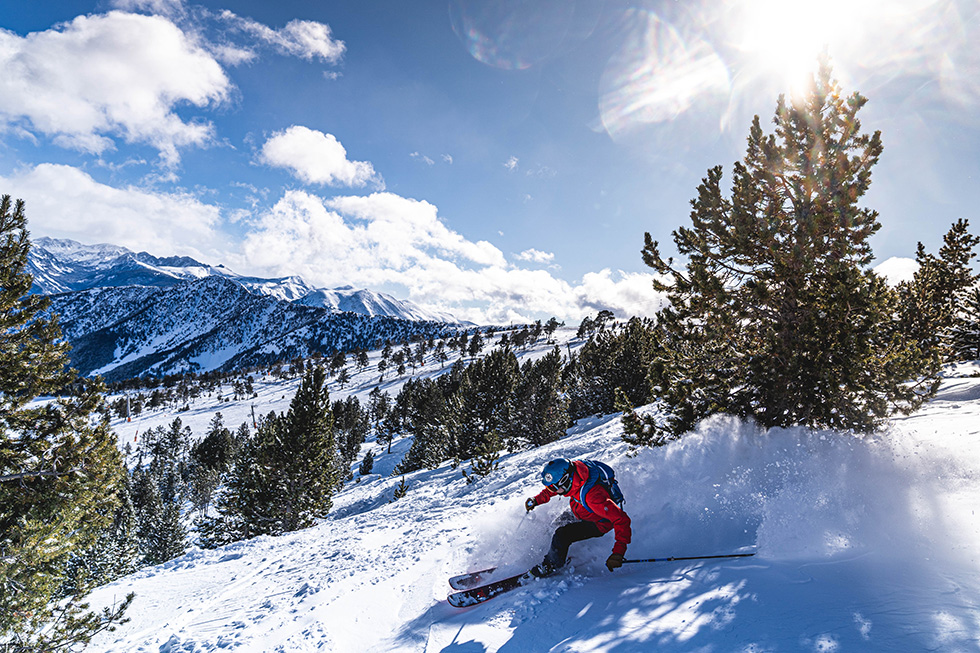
[657, 74]
[693, 59]
[518, 34]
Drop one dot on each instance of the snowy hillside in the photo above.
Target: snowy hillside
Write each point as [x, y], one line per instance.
[862, 544]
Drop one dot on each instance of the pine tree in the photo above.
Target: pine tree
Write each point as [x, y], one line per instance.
[217, 449]
[540, 403]
[486, 459]
[624, 360]
[167, 537]
[305, 470]
[367, 464]
[931, 301]
[400, 490]
[351, 424]
[485, 401]
[236, 503]
[115, 552]
[777, 315]
[585, 329]
[59, 468]
[966, 328]
[427, 421]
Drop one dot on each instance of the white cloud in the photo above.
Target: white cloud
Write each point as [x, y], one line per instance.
[110, 76]
[316, 158]
[424, 159]
[306, 39]
[385, 239]
[511, 163]
[535, 256]
[543, 172]
[624, 293]
[65, 202]
[448, 158]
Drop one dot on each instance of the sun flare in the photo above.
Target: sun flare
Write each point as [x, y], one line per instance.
[785, 37]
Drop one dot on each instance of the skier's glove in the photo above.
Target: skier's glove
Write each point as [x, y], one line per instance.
[530, 504]
[615, 561]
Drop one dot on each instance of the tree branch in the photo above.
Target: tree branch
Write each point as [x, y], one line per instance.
[22, 475]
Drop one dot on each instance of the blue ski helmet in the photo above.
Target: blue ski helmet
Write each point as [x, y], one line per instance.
[557, 475]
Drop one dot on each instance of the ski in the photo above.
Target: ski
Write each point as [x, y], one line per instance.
[472, 579]
[466, 598]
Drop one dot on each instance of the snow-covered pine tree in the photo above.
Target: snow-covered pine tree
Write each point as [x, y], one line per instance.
[966, 329]
[776, 314]
[115, 552]
[59, 468]
[167, 538]
[931, 301]
[245, 505]
[162, 536]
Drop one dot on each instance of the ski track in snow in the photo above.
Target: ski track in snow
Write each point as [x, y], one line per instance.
[863, 544]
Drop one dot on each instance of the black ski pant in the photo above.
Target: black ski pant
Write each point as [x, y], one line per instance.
[565, 536]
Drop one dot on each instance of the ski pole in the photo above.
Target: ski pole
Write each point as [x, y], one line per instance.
[672, 559]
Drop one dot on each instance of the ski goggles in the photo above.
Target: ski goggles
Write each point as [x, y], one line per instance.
[562, 485]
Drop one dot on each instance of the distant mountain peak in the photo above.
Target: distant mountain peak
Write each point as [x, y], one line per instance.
[63, 265]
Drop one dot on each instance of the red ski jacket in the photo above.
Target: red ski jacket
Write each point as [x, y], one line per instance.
[605, 513]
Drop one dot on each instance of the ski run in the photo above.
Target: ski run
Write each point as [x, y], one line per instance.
[861, 544]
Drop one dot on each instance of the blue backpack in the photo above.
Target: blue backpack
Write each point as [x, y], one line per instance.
[604, 475]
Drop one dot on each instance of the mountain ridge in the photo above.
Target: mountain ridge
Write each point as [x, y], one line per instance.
[129, 314]
[63, 265]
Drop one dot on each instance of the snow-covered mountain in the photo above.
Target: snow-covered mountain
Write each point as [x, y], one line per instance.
[368, 302]
[212, 323]
[129, 314]
[61, 266]
[862, 544]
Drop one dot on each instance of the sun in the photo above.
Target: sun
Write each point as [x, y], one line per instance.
[785, 37]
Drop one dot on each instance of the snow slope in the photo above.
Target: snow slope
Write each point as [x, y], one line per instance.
[863, 544]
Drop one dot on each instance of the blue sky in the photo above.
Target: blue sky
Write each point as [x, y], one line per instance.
[497, 159]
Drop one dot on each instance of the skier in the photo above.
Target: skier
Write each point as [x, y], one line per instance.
[594, 498]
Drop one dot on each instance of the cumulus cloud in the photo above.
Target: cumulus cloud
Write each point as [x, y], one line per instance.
[534, 256]
[624, 293]
[65, 202]
[316, 158]
[421, 157]
[118, 75]
[387, 239]
[512, 163]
